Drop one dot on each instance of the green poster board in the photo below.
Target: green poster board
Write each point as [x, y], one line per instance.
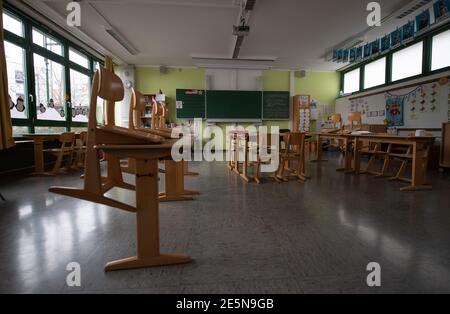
[276, 105]
[190, 104]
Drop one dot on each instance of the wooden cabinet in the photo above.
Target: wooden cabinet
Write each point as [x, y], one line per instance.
[445, 146]
[302, 113]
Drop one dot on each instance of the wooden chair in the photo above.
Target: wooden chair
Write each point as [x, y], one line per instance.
[174, 171]
[375, 152]
[294, 151]
[80, 151]
[406, 160]
[265, 148]
[119, 143]
[67, 141]
[355, 119]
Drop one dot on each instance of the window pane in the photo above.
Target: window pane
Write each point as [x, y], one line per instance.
[79, 90]
[375, 73]
[49, 130]
[47, 42]
[20, 130]
[49, 85]
[441, 51]
[407, 62]
[13, 24]
[15, 63]
[78, 58]
[351, 81]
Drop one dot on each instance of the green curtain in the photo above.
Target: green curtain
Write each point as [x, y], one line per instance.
[6, 137]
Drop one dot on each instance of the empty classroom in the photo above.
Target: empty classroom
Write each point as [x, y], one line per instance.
[224, 147]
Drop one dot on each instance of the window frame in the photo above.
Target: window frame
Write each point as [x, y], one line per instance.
[30, 48]
[427, 39]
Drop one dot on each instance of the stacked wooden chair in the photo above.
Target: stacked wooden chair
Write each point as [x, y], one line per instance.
[117, 143]
[174, 171]
[66, 151]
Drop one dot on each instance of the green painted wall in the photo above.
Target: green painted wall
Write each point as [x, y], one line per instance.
[322, 86]
[150, 81]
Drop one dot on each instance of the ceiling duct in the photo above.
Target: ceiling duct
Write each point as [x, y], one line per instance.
[122, 40]
[250, 5]
[243, 29]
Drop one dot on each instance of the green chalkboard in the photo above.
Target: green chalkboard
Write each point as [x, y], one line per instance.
[276, 105]
[190, 104]
[239, 105]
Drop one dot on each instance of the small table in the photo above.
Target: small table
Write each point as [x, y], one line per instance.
[346, 138]
[39, 140]
[420, 154]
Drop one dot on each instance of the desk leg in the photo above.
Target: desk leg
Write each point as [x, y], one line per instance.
[147, 216]
[236, 155]
[230, 154]
[356, 156]
[39, 156]
[172, 183]
[181, 173]
[244, 175]
[319, 150]
[419, 169]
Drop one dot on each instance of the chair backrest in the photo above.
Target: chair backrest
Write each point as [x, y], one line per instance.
[355, 119]
[336, 118]
[67, 137]
[295, 143]
[138, 105]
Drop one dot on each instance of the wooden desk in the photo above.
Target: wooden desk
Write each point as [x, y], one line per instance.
[346, 138]
[39, 140]
[420, 154]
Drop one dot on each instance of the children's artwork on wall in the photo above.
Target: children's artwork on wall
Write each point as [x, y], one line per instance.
[385, 43]
[367, 51]
[339, 55]
[359, 53]
[335, 55]
[408, 31]
[396, 38]
[394, 110]
[441, 10]
[352, 57]
[375, 47]
[423, 21]
[345, 56]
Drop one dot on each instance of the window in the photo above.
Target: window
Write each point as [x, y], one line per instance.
[407, 62]
[440, 57]
[49, 89]
[47, 42]
[351, 81]
[79, 90]
[375, 73]
[13, 24]
[78, 58]
[15, 66]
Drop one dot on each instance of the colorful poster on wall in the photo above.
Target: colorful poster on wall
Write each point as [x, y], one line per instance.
[359, 53]
[375, 46]
[385, 43]
[352, 57]
[367, 51]
[408, 32]
[423, 21]
[394, 110]
[396, 38]
[345, 56]
[441, 10]
[339, 55]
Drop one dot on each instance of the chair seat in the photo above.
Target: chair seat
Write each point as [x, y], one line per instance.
[371, 152]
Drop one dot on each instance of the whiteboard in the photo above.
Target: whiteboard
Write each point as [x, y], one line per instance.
[429, 110]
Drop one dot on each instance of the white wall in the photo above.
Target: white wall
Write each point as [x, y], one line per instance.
[417, 119]
[233, 79]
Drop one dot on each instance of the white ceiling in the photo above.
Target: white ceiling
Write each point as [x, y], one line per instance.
[170, 32]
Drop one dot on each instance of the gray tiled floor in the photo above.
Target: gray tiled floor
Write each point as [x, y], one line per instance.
[273, 238]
